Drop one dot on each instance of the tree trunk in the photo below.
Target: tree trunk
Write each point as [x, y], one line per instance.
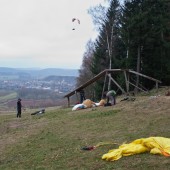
[138, 69]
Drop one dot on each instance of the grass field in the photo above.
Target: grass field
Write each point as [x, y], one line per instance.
[53, 141]
[7, 97]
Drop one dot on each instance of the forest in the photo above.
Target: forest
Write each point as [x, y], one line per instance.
[132, 35]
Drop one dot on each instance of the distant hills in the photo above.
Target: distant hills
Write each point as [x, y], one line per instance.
[37, 73]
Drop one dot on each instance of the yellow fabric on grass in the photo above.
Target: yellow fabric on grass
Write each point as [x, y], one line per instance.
[154, 145]
[102, 102]
[88, 103]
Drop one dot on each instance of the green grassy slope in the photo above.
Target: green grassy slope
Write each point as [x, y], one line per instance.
[54, 140]
[7, 97]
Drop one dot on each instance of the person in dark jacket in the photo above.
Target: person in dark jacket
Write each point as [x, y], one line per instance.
[82, 96]
[19, 106]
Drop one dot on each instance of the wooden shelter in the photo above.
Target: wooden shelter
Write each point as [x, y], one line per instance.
[108, 73]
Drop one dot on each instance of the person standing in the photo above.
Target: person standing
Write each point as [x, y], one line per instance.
[82, 96]
[111, 96]
[19, 106]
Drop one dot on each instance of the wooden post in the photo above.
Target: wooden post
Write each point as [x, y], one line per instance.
[68, 101]
[134, 72]
[116, 84]
[104, 84]
[127, 81]
[157, 85]
[137, 87]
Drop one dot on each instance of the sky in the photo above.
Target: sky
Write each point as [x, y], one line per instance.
[38, 33]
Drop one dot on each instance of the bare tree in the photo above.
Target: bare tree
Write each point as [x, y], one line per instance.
[85, 70]
[103, 22]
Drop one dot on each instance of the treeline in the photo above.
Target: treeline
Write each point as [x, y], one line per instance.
[133, 35]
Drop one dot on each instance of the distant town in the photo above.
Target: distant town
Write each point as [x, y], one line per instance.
[36, 88]
[57, 80]
[60, 85]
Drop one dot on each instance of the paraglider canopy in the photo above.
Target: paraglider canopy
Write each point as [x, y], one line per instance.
[75, 19]
[76, 22]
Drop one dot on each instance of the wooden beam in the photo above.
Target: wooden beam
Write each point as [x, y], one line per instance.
[140, 85]
[126, 81]
[137, 87]
[108, 72]
[156, 85]
[116, 84]
[104, 85]
[86, 84]
[95, 78]
[134, 72]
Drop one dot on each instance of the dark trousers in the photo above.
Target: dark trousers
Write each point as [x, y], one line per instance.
[112, 99]
[82, 98]
[19, 113]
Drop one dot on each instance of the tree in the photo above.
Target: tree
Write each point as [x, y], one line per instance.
[108, 47]
[107, 21]
[85, 70]
[136, 37]
[144, 25]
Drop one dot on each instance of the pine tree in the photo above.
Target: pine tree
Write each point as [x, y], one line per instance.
[107, 55]
[144, 25]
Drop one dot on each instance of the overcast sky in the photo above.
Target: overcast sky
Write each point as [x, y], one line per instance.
[38, 33]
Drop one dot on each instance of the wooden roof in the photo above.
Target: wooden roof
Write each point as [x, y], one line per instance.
[98, 76]
[103, 73]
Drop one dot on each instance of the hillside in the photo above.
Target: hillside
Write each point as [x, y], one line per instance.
[54, 140]
[35, 73]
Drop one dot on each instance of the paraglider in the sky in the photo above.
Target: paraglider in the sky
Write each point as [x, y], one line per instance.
[73, 19]
[76, 21]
